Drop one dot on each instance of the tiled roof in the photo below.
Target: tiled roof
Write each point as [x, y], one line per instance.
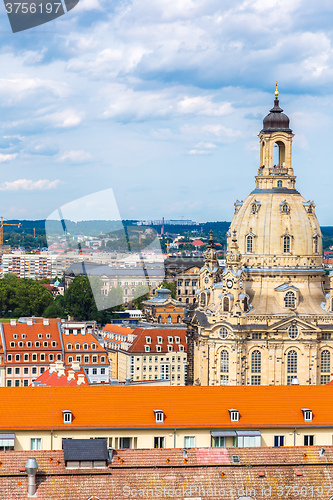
[184, 407]
[205, 473]
[35, 333]
[117, 329]
[88, 338]
[55, 379]
[139, 343]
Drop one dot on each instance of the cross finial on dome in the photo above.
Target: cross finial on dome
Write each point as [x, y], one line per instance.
[276, 93]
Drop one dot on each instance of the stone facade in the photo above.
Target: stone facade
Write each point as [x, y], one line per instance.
[266, 319]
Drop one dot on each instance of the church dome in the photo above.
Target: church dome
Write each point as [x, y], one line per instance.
[276, 120]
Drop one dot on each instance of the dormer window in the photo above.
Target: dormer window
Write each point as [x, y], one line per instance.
[67, 416]
[234, 415]
[48, 335]
[148, 340]
[159, 416]
[181, 347]
[160, 340]
[170, 348]
[37, 343]
[20, 344]
[170, 340]
[15, 336]
[158, 348]
[12, 344]
[69, 346]
[23, 335]
[147, 348]
[307, 414]
[40, 336]
[177, 340]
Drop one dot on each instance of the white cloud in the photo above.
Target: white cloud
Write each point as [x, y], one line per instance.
[29, 185]
[67, 118]
[199, 152]
[7, 157]
[76, 156]
[203, 105]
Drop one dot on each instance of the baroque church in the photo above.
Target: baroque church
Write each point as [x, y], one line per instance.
[267, 317]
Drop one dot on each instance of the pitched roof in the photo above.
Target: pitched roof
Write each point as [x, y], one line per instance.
[139, 342]
[184, 407]
[54, 378]
[32, 333]
[117, 329]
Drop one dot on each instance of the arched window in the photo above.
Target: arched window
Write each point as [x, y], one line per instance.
[223, 333]
[178, 319]
[249, 244]
[325, 366]
[254, 208]
[292, 362]
[293, 330]
[285, 208]
[286, 244]
[226, 306]
[315, 244]
[187, 301]
[169, 319]
[224, 361]
[279, 184]
[159, 319]
[256, 361]
[289, 299]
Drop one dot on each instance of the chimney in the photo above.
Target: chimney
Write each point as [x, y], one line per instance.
[76, 366]
[29, 321]
[31, 469]
[53, 368]
[13, 322]
[80, 378]
[46, 322]
[71, 375]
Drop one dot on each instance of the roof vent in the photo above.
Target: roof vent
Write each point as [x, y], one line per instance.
[235, 459]
[46, 322]
[31, 469]
[13, 322]
[295, 381]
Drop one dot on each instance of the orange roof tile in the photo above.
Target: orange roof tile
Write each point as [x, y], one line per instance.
[117, 329]
[55, 380]
[139, 343]
[33, 333]
[184, 407]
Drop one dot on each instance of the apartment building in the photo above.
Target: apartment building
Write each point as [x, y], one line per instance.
[159, 353]
[82, 346]
[117, 341]
[33, 266]
[163, 308]
[170, 417]
[28, 350]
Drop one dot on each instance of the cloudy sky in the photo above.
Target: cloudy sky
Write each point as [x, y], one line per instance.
[162, 102]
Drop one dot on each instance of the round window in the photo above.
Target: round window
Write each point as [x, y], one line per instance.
[223, 333]
[293, 332]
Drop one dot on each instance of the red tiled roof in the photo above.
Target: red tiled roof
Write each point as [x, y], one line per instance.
[32, 334]
[117, 329]
[184, 407]
[140, 341]
[55, 380]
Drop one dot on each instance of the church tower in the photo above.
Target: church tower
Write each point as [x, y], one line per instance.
[267, 317]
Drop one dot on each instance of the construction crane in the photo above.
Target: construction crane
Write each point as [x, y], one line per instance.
[137, 231]
[5, 224]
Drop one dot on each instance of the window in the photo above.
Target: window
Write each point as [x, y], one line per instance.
[256, 362]
[189, 441]
[315, 244]
[25, 383]
[158, 348]
[159, 319]
[48, 335]
[45, 343]
[102, 371]
[181, 347]
[37, 343]
[169, 319]
[293, 331]
[94, 371]
[93, 346]
[223, 333]
[78, 358]
[9, 357]
[51, 357]
[26, 357]
[254, 208]
[17, 371]
[218, 441]
[26, 371]
[278, 441]
[285, 208]
[224, 361]
[12, 344]
[255, 379]
[42, 357]
[308, 440]
[148, 340]
[40, 336]
[42, 369]
[85, 347]
[86, 359]
[170, 348]
[326, 336]
[165, 371]
[9, 383]
[256, 336]
[159, 416]
[67, 416]
[34, 370]
[249, 244]
[35, 444]
[279, 184]
[20, 344]
[125, 442]
[226, 304]
[69, 347]
[94, 359]
[160, 340]
[17, 383]
[59, 357]
[289, 299]
[147, 348]
[307, 414]
[17, 357]
[325, 359]
[70, 359]
[9, 371]
[291, 365]
[102, 359]
[234, 415]
[158, 442]
[286, 244]
[29, 344]
[77, 347]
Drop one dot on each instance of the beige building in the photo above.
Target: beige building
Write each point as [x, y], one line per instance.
[167, 417]
[267, 318]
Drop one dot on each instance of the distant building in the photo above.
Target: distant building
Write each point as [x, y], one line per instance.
[59, 376]
[163, 309]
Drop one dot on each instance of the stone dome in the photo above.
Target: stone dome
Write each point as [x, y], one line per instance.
[268, 220]
[276, 120]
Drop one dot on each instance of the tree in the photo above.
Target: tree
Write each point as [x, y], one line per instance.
[170, 286]
[79, 300]
[141, 293]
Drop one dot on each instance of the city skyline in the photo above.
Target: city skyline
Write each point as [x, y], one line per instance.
[162, 104]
